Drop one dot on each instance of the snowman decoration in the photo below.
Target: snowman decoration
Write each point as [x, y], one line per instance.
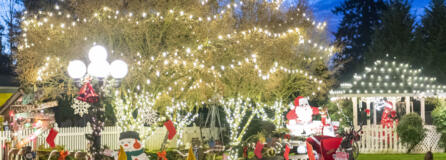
[131, 143]
[300, 117]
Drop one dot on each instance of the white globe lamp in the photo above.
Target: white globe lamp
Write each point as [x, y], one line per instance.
[100, 69]
[76, 69]
[97, 53]
[118, 69]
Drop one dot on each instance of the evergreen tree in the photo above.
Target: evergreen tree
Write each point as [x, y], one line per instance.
[395, 36]
[432, 37]
[360, 19]
[5, 59]
[12, 21]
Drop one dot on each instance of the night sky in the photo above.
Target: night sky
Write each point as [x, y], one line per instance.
[321, 10]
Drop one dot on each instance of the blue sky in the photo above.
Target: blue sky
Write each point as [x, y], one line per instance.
[322, 11]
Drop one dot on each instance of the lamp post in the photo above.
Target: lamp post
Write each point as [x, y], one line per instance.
[98, 71]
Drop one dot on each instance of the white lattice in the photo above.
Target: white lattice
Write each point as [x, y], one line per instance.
[430, 142]
[376, 139]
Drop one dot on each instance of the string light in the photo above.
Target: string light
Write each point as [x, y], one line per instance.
[180, 120]
[127, 104]
[409, 81]
[188, 58]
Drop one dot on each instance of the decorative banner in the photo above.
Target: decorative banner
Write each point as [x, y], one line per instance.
[47, 105]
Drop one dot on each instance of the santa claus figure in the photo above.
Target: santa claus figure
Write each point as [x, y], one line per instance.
[388, 115]
[131, 143]
[300, 117]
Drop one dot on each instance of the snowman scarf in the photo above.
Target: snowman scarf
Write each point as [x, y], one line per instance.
[133, 153]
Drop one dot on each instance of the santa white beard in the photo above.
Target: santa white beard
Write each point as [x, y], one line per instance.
[302, 124]
[304, 114]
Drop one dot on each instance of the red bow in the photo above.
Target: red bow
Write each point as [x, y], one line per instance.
[62, 155]
[162, 155]
[87, 94]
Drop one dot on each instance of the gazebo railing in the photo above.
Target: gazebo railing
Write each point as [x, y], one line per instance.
[376, 139]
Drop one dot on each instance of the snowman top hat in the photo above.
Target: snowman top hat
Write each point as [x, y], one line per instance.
[129, 134]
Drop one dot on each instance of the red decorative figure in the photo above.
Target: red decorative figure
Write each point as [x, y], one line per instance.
[87, 94]
[388, 115]
[258, 150]
[170, 129]
[51, 136]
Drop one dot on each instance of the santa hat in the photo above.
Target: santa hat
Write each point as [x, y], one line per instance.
[297, 100]
[388, 104]
[385, 104]
[129, 134]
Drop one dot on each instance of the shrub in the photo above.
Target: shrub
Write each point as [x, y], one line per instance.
[439, 119]
[411, 130]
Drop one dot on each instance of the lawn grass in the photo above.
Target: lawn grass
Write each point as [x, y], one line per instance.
[437, 156]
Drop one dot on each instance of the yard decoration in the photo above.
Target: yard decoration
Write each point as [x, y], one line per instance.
[171, 129]
[80, 107]
[389, 115]
[161, 155]
[132, 145]
[300, 120]
[286, 153]
[258, 150]
[87, 93]
[190, 155]
[121, 154]
[51, 136]
[63, 154]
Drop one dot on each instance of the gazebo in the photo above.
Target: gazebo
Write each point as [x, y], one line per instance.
[402, 85]
[398, 83]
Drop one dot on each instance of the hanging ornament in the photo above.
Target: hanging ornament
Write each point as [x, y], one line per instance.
[149, 116]
[51, 136]
[80, 107]
[171, 129]
[87, 93]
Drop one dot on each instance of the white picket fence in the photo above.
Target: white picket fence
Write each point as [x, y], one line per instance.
[73, 138]
[376, 139]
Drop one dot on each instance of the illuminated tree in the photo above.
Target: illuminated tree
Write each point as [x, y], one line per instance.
[193, 52]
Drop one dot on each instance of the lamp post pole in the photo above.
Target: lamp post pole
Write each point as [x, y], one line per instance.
[98, 71]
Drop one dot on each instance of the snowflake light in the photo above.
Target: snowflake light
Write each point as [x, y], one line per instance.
[149, 116]
[80, 107]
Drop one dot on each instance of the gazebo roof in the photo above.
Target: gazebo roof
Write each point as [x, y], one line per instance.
[389, 79]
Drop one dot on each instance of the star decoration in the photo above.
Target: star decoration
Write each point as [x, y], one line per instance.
[80, 107]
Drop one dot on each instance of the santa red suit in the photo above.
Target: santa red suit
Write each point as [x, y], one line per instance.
[300, 117]
[388, 115]
[325, 146]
